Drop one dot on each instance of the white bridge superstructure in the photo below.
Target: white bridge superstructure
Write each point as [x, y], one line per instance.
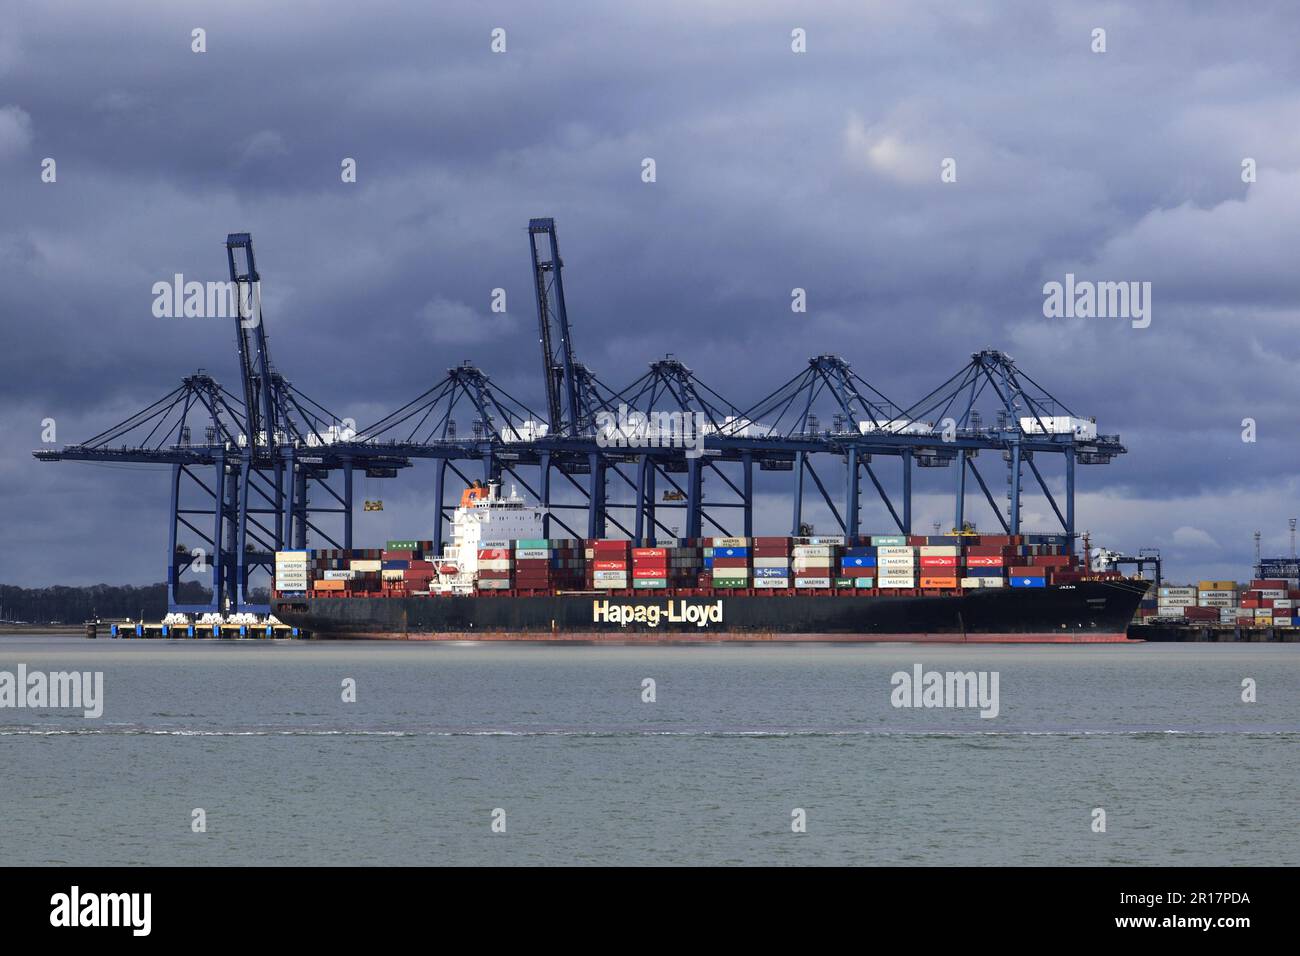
[485, 520]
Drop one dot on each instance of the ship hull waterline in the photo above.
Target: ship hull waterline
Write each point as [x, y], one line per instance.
[1080, 613]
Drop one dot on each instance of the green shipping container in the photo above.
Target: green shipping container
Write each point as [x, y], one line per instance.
[650, 583]
[843, 582]
[402, 546]
[731, 583]
[527, 544]
[888, 540]
[864, 582]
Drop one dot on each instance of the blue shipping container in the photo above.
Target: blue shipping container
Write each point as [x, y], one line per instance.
[772, 572]
[731, 552]
[850, 562]
[1028, 582]
[859, 552]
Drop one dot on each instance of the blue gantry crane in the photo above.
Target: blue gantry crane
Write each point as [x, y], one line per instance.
[269, 468]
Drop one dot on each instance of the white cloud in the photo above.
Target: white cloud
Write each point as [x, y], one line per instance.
[15, 130]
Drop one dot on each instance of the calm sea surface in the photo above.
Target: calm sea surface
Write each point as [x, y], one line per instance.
[258, 736]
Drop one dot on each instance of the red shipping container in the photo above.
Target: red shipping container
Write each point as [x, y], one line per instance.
[771, 552]
[983, 551]
[939, 561]
[649, 573]
[598, 565]
[731, 562]
[772, 543]
[638, 553]
[521, 563]
[495, 554]
[495, 575]
[1049, 560]
[1026, 571]
[606, 547]
[983, 560]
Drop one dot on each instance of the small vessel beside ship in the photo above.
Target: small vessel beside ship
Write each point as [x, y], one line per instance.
[499, 579]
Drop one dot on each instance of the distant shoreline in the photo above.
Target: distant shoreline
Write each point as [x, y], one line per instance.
[37, 630]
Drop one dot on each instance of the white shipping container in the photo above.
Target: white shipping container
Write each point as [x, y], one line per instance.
[1284, 603]
[939, 550]
[971, 582]
[812, 582]
[338, 575]
[1272, 593]
[993, 582]
[362, 565]
[895, 561]
[771, 582]
[1218, 594]
[505, 564]
[1282, 621]
[1177, 592]
[609, 584]
[1174, 601]
[1217, 602]
[771, 562]
[609, 575]
[1167, 611]
[892, 550]
[895, 583]
[811, 551]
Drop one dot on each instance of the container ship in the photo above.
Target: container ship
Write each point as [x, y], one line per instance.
[499, 579]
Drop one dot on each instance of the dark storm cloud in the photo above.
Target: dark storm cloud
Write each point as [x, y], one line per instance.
[774, 171]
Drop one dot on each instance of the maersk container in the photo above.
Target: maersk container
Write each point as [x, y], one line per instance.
[532, 554]
[533, 544]
[812, 582]
[892, 583]
[771, 582]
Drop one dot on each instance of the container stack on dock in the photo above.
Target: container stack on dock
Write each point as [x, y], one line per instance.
[1271, 602]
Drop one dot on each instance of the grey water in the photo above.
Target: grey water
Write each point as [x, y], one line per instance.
[560, 746]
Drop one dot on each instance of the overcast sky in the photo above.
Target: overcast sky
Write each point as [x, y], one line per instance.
[775, 170]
